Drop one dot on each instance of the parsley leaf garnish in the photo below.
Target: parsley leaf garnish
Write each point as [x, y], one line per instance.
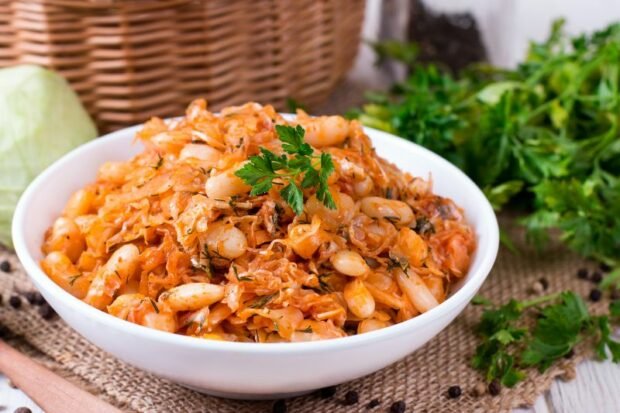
[296, 169]
[508, 346]
[557, 331]
[293, 140]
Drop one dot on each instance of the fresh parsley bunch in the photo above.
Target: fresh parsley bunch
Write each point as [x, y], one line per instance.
[296, 169]
[508, 347]
[544, 137]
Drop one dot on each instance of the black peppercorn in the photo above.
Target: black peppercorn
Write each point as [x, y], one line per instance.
[454, 392]
[398, 407]
[47, 312]
[582, 273]
[544, 282]
[351, 397]
[595, 295]
[30, 296]
[596, 277]
[373, 403]
[279, 407]
[38, 299]
[5, 266]
[22, 409]
[327, 392]
[15, 301]
[494, 388]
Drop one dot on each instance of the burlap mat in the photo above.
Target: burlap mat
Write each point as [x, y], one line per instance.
[421, 380]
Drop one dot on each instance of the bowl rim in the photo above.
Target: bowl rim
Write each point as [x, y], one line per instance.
[464, 294]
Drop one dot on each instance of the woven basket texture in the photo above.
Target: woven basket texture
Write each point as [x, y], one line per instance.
[129, 59]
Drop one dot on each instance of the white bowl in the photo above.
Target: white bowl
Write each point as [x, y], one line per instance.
[247, 370]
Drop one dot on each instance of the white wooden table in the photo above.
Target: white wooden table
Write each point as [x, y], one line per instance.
[595, 390]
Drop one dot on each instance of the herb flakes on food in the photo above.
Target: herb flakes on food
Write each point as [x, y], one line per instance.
[263, 300]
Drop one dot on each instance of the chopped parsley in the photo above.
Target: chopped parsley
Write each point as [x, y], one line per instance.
[242, 278]
[154, 304]
[160, 162]
[297, 168]
[262, 300]
[73, 279]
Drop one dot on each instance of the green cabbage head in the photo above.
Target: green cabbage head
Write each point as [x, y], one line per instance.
[41, 119]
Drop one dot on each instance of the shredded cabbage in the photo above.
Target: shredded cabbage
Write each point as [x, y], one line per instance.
[41, 119]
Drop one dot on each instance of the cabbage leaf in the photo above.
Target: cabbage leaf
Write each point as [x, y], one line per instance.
[41, 119]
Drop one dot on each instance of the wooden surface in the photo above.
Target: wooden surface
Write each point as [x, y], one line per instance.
[596, 389]
[50, 391]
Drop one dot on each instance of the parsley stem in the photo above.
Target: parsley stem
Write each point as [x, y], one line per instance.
[539, 300]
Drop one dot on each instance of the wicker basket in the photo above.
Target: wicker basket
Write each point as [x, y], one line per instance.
[131, 59]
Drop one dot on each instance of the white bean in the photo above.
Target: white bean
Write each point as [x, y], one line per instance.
[226, 240]
[62, 271]
[396, 211]
[358, 298]
[363, 187]
[114, 274]
[65, 237]
[371, 324]
[349, 263]
[164, 321]
[325, 130]
[192, 296]
[124, 261]
[332, 218]
[208, 155]
[79, 204]
[139, 309]
[115, 172]
[225, 185]
[416, 290]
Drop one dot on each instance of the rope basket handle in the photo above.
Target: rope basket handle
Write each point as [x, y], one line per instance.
[127, 5]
